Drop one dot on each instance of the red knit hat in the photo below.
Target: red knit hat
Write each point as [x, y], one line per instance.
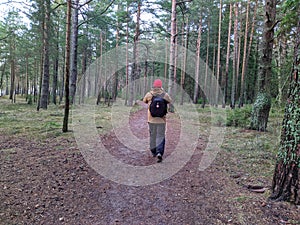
[157, 83]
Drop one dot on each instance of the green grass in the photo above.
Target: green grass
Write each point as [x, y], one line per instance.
[249, 153]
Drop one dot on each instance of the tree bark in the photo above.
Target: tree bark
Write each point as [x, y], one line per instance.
[205, 88]
[172, 49]
[185, 41]
[67, 66]
[262, 105]
[242, 94]
[115, 80]
[286, 179]
[12, 68]
[2, 75]
[166, 60]
[127, 60]
[219, 54]
[197, 68]
[55, 70]
[46, 72]
[250, 42]
[135, 70]
[228, 53]
[73, 51]
[234, 65]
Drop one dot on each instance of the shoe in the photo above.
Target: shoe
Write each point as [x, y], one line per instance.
[159, 157]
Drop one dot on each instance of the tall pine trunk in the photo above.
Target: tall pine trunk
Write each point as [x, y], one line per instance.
[135, 71]
[235, 53]
[172, 49]
[227, 54]
[219, 54]
[205, 88]
[73, 51]
[55, 69]
[2, 76]
[67, 67]
[197, 68]
[127, 60]
[250, 43]
[12, 69]
[262, 105]
[46, 72]
[185, 41]
[244, 65]
[286, 179]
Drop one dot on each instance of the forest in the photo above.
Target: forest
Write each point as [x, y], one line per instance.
[74, 72]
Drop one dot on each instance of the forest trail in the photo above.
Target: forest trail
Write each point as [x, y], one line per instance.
[49, 182]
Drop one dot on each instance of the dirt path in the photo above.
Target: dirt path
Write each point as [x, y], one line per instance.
[49, 182]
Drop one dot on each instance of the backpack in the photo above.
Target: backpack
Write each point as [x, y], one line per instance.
[158, 106]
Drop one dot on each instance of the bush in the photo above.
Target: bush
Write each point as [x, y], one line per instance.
[239, 117]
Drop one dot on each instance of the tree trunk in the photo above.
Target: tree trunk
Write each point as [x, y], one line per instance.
[262, 105]
[73, 51]
[166, 61]
[197, 68]
[219, 54]
[185, 47]
[281, 64]
[206, 89]
[251, 40]
[45, 83]
[55, 70]
[212, 96]
[115, 80]
[2, 75]
[286, 179]
[228, 53]
[83, 78]
[12, 68]
[100, 71]
[242, 94]
[127, 60]
[238, 66]
[235, 65]
[67, 66]
[135, 70]
[172, 50]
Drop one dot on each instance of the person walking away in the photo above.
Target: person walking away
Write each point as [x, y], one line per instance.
[157, 100]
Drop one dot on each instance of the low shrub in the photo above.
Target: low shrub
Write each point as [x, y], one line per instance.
[239, 117]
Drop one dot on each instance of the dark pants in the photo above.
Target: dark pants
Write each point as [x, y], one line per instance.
[157, 137]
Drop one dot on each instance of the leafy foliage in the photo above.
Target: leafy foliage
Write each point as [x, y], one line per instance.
[239, 117]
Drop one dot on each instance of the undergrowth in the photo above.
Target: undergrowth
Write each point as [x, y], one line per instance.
[247, 155]
[23, 120]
